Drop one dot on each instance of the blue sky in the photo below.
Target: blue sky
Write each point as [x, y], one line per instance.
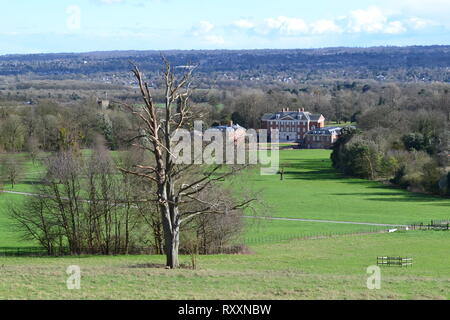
[34, 26]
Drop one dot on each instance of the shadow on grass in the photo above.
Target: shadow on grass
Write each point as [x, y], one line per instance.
[322, 170]
[311, 170]
[393, 194]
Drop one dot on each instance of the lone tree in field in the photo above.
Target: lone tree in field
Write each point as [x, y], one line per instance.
[11, 169]
[182, 191]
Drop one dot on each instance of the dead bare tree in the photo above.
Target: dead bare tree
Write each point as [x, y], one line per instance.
[176, 185]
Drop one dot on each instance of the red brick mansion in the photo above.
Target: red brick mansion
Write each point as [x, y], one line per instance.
[292, 125]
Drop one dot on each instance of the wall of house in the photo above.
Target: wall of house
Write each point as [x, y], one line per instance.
[319, 141]
[292, 130]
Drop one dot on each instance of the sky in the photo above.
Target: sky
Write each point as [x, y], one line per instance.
[45, 26]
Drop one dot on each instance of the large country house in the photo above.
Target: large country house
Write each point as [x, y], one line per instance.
[292, 125]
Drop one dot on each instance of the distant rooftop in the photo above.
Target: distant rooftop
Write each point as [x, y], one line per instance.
[228, 127]
[296, 115]
[326, 131]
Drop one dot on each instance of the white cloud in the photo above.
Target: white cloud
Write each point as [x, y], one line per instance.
[244, 24]
[394, 27]
[203, 27]
[287, 26]
[214, 39]
[369, 20]
[418, 23]
[374, 20]
[206, 26]
[203, 30]
[325, 26]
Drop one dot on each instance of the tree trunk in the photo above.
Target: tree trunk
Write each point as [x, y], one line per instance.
[172, 244]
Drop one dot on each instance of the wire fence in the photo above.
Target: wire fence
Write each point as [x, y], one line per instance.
[22, 251]
[438, 225]
[65, 251]
[240, 246]
[395, 261]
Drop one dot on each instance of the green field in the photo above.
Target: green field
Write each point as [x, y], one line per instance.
[313, 190]
[324, 267]
[333, 268]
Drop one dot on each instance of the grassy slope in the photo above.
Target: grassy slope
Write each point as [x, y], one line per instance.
[300, 269]
[30, 176]
[313, 190]
[310, 269]
[9, 236]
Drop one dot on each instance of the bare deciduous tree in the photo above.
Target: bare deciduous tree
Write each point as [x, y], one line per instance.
[11, 169]
[177, 186]
[32, 147]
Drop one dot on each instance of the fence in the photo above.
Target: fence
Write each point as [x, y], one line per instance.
[442, 225]
[394, 261]
[41, 252]
[238, 247]
[23, 251]
[62, 251]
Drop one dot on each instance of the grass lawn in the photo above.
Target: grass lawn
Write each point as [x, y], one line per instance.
[9, 236]
[322, 268]
[312, 189]
[333, 268]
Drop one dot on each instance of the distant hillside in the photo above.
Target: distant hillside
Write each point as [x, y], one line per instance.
[428, 63]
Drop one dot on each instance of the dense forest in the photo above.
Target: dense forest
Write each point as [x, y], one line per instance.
[255, 66]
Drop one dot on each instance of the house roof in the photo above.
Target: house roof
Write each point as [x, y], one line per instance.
[294, 115]
[233, 127]
[326, 131]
